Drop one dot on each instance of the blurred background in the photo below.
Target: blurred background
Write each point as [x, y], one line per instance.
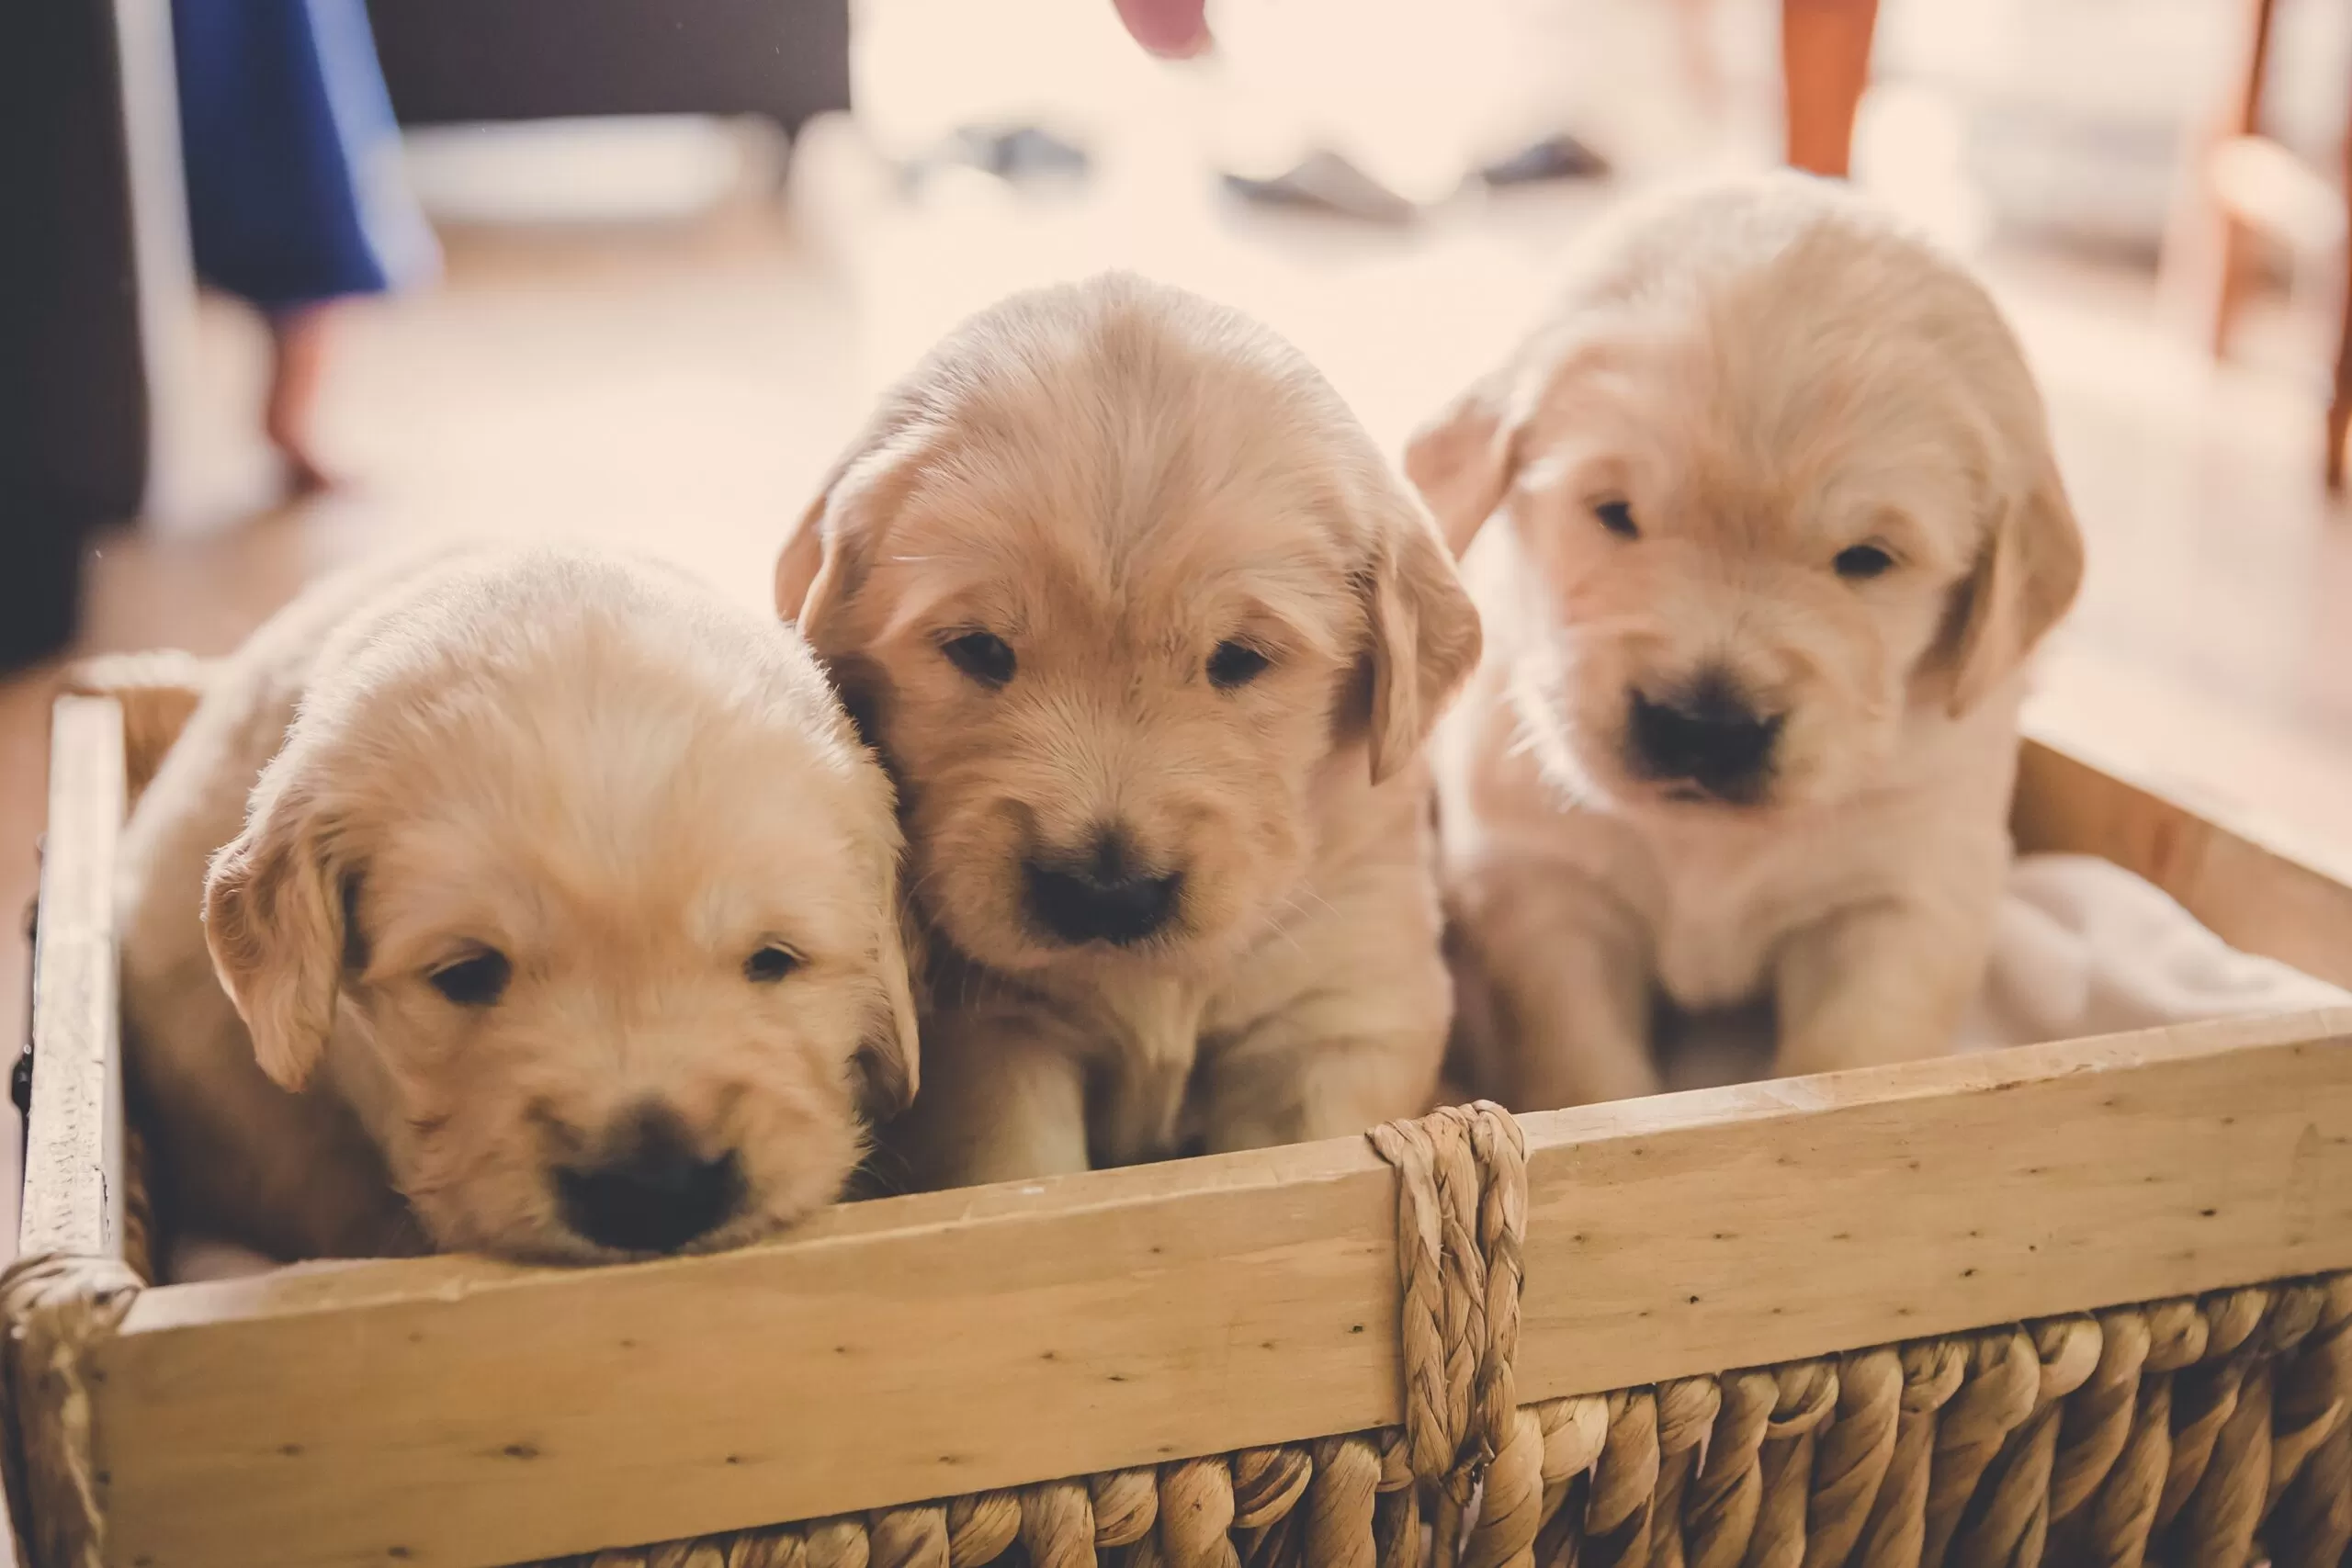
[670, 251]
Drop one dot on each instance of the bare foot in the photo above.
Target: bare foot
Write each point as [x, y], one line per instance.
[304, 476]
[298, 357]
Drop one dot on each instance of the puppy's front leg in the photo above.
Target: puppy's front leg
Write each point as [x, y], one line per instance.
[1003, 1099]
[1341, 1025]
[1887, 983]
[1565, 981]
[1310, 1075]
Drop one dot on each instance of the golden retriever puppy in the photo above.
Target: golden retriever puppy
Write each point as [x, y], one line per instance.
[553, 910]
[1150, 639]
[1767, 523]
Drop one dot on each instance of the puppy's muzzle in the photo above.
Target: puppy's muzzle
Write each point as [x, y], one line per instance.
[652, 1191]
[1103, 894]
[1707, 735]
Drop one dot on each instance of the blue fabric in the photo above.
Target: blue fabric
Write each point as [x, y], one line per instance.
[295, 192]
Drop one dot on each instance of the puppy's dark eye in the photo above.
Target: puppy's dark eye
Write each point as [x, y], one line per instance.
[1861, 561]
[475, 982]
[1236, 664]
[1617, 516]
[984, 657]
[770, 963]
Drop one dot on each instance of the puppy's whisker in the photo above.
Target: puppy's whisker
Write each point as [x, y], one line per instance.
[1526, 741]
[882, 1173]
[1624, 625]
[1279, 925]
[1308, 900]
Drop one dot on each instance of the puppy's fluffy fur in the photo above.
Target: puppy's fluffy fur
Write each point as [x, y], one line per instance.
[591, 769]
[1773, 450]
[1115, 486]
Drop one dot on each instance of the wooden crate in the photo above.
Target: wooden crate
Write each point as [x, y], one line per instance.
[2074, 1302]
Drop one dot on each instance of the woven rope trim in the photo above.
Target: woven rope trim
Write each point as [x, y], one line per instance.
[2199, 1432]
[56, 1308]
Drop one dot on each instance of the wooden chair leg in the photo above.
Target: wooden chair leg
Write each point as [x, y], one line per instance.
[2339, 406]
[1824, 68]
[2340, 423]
[2204, 260]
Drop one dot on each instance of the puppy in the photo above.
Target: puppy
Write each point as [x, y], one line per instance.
[552, 907]
[1151, 640]
[1767, 523]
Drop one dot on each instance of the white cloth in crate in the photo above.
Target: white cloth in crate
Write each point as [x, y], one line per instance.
[2082, 947]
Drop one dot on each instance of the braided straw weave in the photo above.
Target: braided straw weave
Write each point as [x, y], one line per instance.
[55, 1308]
[2192, 1433]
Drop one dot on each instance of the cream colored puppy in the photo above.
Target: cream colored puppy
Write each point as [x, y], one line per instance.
[1767, 522]
[552, 907]
[1150, 638]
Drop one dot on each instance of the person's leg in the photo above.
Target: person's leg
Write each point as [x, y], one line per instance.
[291, 156]
[298, 340]
[1825, 66]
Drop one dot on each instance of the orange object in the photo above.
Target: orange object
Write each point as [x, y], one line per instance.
[1825, 66]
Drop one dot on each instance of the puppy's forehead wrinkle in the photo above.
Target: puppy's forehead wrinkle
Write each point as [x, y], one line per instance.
[1170, 590]
[616, 674]
[440, 884]
[1790, 325]
[584, 772]
[1760, 453]
[1131, 403]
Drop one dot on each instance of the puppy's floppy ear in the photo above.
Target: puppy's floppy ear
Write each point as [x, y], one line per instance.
[1463, 460]
[827, 552]
[810, 570]
[2024, 579]
[1425, 633]
[274, 920]
[890, 1061]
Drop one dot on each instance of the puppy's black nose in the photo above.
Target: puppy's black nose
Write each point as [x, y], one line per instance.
[653, 1192]
[1707, 735]
[1103, 895]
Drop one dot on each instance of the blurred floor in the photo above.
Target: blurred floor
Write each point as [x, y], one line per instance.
[679, 385]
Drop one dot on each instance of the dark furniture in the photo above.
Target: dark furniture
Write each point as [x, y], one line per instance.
[72, 390]
[470, 60]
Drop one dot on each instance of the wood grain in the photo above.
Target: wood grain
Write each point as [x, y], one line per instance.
[75, 1140]
[459, 1412]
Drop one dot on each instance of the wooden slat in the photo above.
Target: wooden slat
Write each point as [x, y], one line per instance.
[2247, 881]
[457, 1412]
[74, 1151]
